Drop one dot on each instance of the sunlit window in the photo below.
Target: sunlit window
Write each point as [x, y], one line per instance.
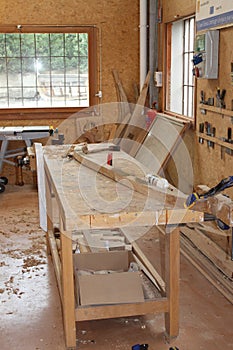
[44, 70]
[180, 79]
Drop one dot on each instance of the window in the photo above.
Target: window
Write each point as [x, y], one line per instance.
[180, 79]
[46, 70]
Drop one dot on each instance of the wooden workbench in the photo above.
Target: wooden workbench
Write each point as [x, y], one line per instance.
[80, 198]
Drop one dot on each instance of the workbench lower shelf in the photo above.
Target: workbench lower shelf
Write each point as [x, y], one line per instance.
[86, 313]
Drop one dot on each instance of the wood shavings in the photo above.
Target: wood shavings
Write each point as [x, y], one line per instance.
[31, 262]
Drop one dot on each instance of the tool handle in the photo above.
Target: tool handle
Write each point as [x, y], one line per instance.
[222, 185]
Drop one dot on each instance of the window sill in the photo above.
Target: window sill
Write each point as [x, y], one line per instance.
[38, 113]
[179, 117]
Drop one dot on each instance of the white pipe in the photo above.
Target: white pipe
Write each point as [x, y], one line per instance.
[143, 42]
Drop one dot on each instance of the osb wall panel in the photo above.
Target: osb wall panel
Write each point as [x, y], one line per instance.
[211, 165]
[173, 10]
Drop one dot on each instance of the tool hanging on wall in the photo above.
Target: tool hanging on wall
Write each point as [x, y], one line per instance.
[220, 98]
[201, 129]
[221, 186]
[210, 131]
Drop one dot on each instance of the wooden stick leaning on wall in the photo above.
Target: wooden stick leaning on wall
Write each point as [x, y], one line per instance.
[136, 123]
[122, 98]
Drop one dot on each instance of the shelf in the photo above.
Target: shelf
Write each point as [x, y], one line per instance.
[215, 140]
[217, 110]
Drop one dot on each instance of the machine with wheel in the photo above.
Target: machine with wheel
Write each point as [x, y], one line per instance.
[3, 182]
[18, 133]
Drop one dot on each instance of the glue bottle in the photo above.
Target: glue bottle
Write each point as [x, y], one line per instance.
[155, 180]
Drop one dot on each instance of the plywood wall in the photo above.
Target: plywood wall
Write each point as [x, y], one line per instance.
[173, 10]
[210, 165]
[213, 164]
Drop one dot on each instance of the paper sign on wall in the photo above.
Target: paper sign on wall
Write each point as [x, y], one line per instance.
[213, 14]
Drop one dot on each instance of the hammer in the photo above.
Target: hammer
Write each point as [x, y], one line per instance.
[107, 148]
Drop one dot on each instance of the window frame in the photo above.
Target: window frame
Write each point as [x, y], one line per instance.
[56, 112]
[167, 69]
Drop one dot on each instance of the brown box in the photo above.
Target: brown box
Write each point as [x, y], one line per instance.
[112, 288]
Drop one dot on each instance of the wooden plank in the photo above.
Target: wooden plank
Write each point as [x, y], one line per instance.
[215, 140]
[121, 310]
[146, 218]
[56, 260]
[145, 261]
[172, 276]
[217, 110]
[126, 168]
[121, 129]
[122, 98]
[147, 272]
[68, 298]
[137, 121]
[209, 249]
[159, 145]
[218, 205]
[207, 269]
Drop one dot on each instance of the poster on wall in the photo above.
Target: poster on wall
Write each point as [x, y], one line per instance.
[213, 14]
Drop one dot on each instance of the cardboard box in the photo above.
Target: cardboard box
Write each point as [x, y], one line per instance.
[111, 288]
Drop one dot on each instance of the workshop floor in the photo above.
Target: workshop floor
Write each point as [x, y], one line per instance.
[30, 307]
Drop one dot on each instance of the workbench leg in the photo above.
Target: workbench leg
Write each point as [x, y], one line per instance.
[68, 299]
[172, 276]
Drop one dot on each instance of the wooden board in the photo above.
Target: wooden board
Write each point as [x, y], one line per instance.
[125, 168]
[210, 249]
[207, 268]
[87, 199]
[160, 143]
[137, 123]
[124, 108]
[219, 205]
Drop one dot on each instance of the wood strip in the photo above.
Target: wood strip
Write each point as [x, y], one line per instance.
[218, 205]
[209, 249]
[121, 128]
[142, 257]
[172, 279]
[124, 105]
[137, 121]
[56, 260]
[148, 218]
[68, 288]
[215, 140]
[207, 269]
[147, 272]
[205, 266]
[121, 310]
[217, 110]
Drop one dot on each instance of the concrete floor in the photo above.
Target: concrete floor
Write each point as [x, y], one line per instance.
[30, 306]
